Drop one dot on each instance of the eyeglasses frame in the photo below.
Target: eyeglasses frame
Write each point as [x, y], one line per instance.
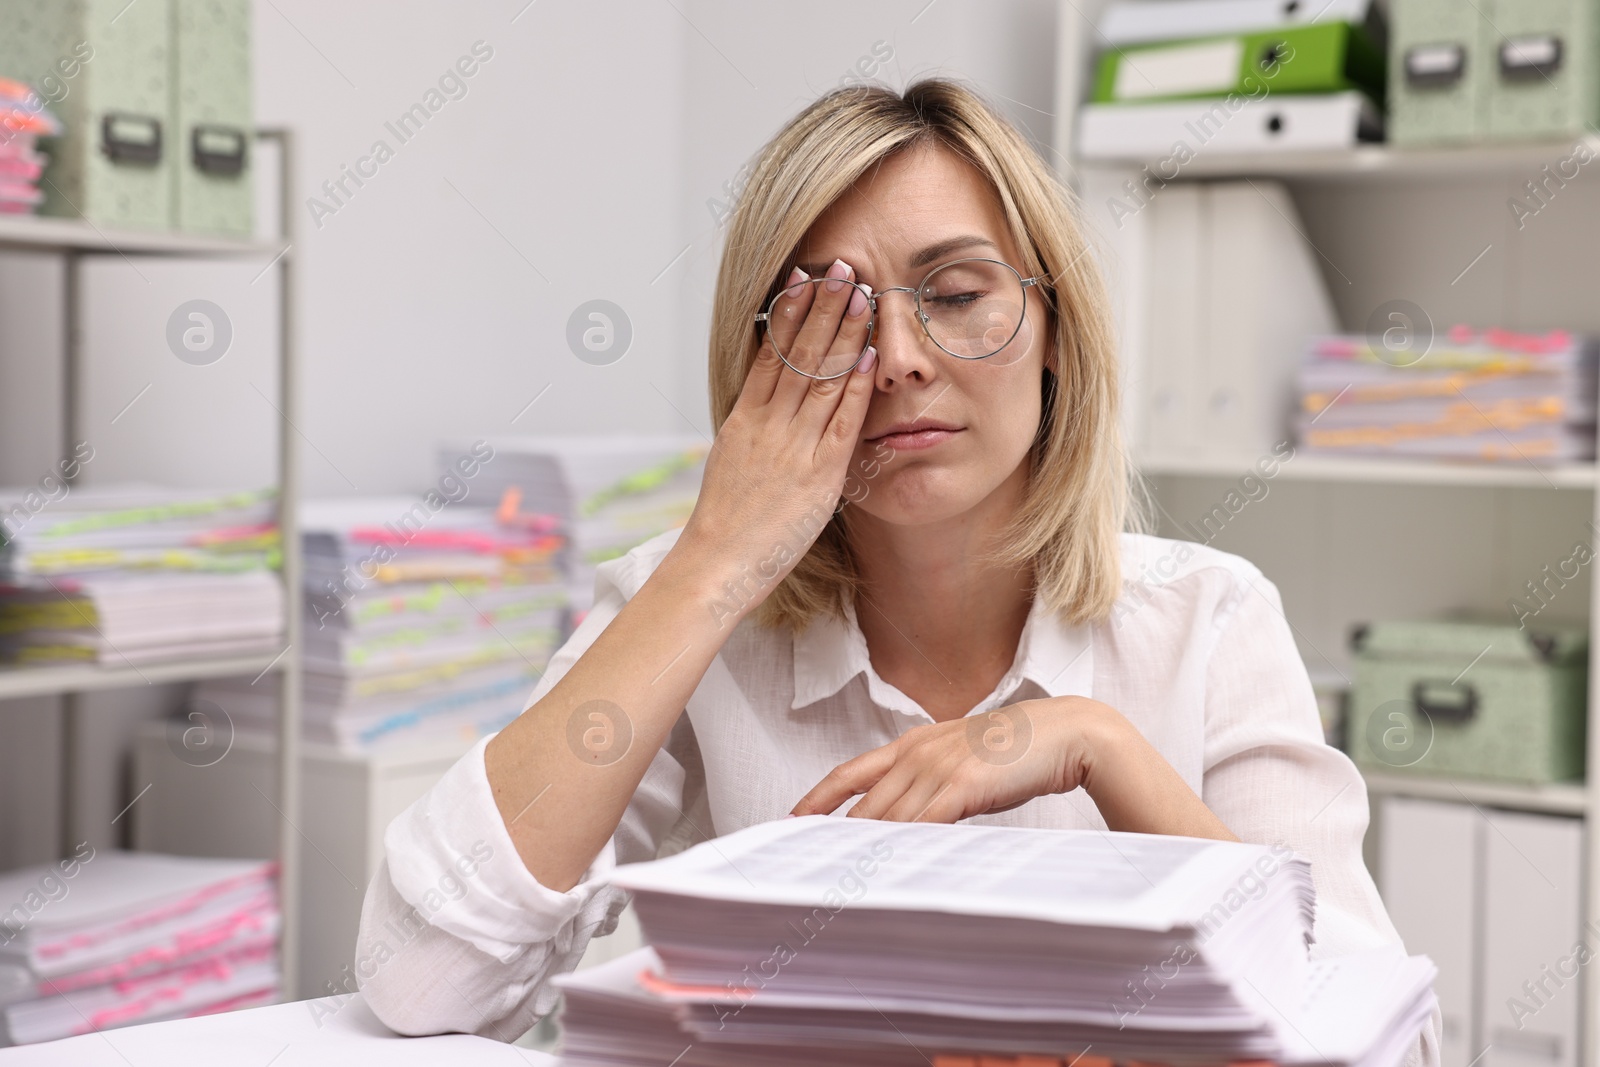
[922, 317]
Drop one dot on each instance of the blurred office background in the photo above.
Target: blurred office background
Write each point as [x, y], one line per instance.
[1351, 249]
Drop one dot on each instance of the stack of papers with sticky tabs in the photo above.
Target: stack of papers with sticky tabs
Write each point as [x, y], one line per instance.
[359, 545]
[1493, 396]
[134, 528]
[24, 118]
[133, 573]
[138, 618]
[871, 943]
[608, 494]
[421, 623]
[108, 938]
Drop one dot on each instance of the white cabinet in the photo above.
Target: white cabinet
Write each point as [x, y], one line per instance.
[1429, 879]
[1495, 899]
[1532, 974]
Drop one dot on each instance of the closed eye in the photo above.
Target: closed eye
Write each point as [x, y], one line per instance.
[956, 300]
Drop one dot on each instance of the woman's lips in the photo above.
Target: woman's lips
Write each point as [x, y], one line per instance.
[910, 442]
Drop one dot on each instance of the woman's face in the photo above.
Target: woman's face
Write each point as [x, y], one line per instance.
[985, 411]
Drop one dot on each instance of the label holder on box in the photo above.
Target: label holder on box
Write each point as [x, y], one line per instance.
[129, 138]
[219, 149]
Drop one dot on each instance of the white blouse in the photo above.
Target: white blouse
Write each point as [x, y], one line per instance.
[457, 935]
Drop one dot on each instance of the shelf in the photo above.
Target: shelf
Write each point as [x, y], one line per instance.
[16, 682]
[76, 240]
[1567, 798]
[1379, 471]
[1374, 162]
[32, 232]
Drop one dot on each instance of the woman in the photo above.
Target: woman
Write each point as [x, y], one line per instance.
[904, 592]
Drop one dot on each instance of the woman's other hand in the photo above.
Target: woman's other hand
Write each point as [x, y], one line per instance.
[997, 760]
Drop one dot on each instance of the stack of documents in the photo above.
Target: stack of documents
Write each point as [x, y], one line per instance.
[825, 939]
[359, 546]
[1180, 77]
[419, 624]
[1487, 396]
[137, 618]
[134, 528]
[130, 574]
[609, 494]
[106, 938]
[23, 119]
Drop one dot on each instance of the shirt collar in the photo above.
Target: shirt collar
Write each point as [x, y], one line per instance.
[1057, 657]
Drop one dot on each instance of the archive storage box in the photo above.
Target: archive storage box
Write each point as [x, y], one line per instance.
[113, 164]
[1544, 80]
[212, 116]
[1493, 70]
[1479, 700]
[1435, 63]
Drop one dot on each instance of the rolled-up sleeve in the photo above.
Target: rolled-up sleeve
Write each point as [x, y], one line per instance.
[1264, 740]
[456, 934]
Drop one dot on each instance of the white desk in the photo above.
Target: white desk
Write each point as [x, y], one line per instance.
[281, 1035]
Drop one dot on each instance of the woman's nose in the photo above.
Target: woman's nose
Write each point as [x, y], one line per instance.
[904, 348]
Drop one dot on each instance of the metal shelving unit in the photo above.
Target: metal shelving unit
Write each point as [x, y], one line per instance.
[74, 240]
[75, 235]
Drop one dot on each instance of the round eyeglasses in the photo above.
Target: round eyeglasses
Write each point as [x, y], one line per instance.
[970, 308]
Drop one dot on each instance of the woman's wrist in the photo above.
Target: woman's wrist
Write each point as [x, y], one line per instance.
[685, 588]
[728, 578]
[695, 573]
[1131, 783]
[1092, 743]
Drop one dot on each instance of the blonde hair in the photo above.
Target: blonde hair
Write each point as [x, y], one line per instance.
[1077, 498]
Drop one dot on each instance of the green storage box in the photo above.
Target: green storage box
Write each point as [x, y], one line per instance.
[213, 116]
[1470, 699]
[113, 164]
[1437, 68]
[1494, 70]
[1543, 69]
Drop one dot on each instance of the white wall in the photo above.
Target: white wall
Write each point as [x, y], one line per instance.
[436, 298]
[433, 303]
[578, 167]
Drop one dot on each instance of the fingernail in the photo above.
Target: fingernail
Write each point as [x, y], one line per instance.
[836, 275]
[858, 303]
[791, 815]
[796, 276]
[868, 360]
